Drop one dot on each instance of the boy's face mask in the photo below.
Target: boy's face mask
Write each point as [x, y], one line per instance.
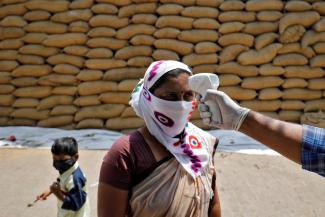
[63, 165]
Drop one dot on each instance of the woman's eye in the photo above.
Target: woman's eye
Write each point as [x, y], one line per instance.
[189, 96]
[171, 97]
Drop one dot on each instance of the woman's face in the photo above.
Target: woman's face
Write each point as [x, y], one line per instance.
[175, 89]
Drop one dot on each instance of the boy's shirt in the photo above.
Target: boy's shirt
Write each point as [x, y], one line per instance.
[76, 202]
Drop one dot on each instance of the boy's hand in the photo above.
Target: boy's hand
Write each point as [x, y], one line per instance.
[43, 196]
[55, 188]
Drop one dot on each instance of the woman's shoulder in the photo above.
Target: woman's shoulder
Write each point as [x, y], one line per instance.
[126, 142]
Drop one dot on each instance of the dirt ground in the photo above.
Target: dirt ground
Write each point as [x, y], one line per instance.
[249, 185]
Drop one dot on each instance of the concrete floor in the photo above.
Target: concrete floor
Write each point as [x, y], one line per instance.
[249, 185]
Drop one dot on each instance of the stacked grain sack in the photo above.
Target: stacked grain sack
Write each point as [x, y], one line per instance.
[73, 64]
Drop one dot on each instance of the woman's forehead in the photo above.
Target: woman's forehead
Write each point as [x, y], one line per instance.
[176, 83]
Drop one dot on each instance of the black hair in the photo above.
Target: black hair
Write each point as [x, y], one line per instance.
[172, 73]
[65, 145]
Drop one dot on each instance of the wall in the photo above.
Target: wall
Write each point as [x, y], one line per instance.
[73, 64]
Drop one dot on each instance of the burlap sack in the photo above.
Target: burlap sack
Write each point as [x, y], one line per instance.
[144, 7]
[13, 21]
[30, 113]
[269, 16]
[269, 94]
[235, 68]
[199, 11]
[56, 121]
[4, 121]
[64, 110]
[101, 111]
[79, 26]
[257, 28]
[127, 85]
[33, 92]
[208, 68]
[170, 9]
[320, 25]
[211, 3]
[142, 40]
[66, 69]
[239, 93]
[8, 65]
[162, 54]
[296, 6]
[316, 119]
[106, 42]
[290, 60]
[90, 75]
[114, 98]
[292, 105]
[196, 35]
[65, 90]
[261, 82]
[181, 2]
[315, 105]
[6, 88]
[206, 47]
[139, 61]
[149, 19]
[265, 39]
[65, 58]
[297, 48]
[77, 50]
[83, 101]
[262, 105]
[47, 27]
[236, 38]
[206, 23]
[319, 7]
[8, 54]
[21, 122]
[39, 50]
[104, 64]
[5, 111]
[269, 69]
[316, 84]
[123, 73]
[179, 47]
[198, 59]
[79, 4]
[54, 100]
[318, 61]
[177, 22]
[290, 115]
[26, 103]
[128, 112]
[231, 52]
[301, 94]
[229, 80]
[232, 6]
[240, 16]
[72, 15]
[30, 59]
[32, 70]
[311, 37]
[63, 40]
[104, 8]
[90, 123]
[134, 29]
[132, 51]
[15, 9]
[24, 81]
[5, 77]
[167, 32]
[11, 32]
[57, 80]
[319, 47]
[294, 82]
[259, 5]
[124, 123]
[6, 99]
[292, 34]
[37, 15]
[112, 21]
[96, 87]
[305, 19]
[101, 32]
[231, 27]
[59, 6]
[11, 44]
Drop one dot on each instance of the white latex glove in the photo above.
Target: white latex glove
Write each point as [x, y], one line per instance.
[232, 115]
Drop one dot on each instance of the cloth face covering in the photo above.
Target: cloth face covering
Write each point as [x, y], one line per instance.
[166, 119]
[63, 165]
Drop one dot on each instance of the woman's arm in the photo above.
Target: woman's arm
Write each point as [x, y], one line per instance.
[111, 201]
[216, 209]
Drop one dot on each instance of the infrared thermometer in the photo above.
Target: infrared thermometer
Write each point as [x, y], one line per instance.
[199, 83]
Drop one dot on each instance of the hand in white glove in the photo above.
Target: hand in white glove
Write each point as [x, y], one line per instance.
[232, 115]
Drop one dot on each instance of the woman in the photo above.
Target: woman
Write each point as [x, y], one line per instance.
[165, 168]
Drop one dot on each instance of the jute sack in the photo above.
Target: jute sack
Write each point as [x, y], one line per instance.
[319, 7]
[5, 111]
[144, 7]
[101, 32]
[316, 84]
[103, 8]
[198, 35]
[162, 54]
[99, 111]
[181, 2]
[139, 61]
[177, 22]
[79, 4]
[114, 98]
[39, 50]
[127, 85]
[4, 121]
[235, 68]
[25, 103]
[206, 23]
[5, 77]
[128, 112]
[30, 113]
[112, 21]
[96, 87]
[231, 27]
[291, 59]
[47, 27]
[106, 42]
[8, 54]
[240, 16]
[104, 64]
[257, 28]
[236, 38]
[319, 47]
[77, 50]
[66, 69]
[15, 9]
[260, 5]
[320, 25]
[270, 94]
[292, 34]
[297, 48]
[6, 88]
[90, 75]
[211, 3]
[134, 29]
[56, 121]
[318, 61]
[229, 80]
[261, 82]
[66, 59]
[8, 65]
[316, 119]
[13, 21]
[124, 123]
[79, 27]
[170, 9]
[90, 123]
[11, 32]
[239, 93]
[199, 11]
[99, 53]
[315, 105]
[303, 72]
[123, 73]
[30, 59]
[24, 81]
[32, 71]
[232, 6]
[262, 105]
[21, 122]
[142, 40]
[132, 51]
[301, 94]
[292, 105]
[294, 82]
[64, 110]
[265, 39]
[296, 6]
[293, 115]
[262, 56]
[198, 59]
[206, 47]
[231, 52]
[83, 101]
[11, 44]
[63, 40]
[59, 6]
[65, 90]
[305, 19]
[37, 15]
[33, 92]
[53, 101]
[6, 99]
[208, 68]
[72, 15]
[311, 37]
[167, 32]
[179, 47]
[117, 3]
[270, 16]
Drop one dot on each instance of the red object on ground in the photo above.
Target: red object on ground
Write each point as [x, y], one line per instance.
[11, 138]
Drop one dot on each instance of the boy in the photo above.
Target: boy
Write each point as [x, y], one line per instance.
[70, 188]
